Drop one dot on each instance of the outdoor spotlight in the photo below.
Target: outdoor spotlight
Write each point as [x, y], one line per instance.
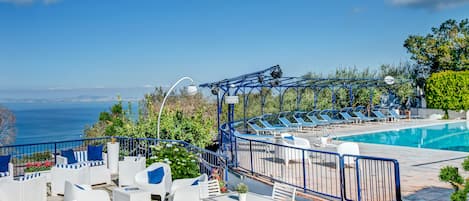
[191, 90]
[389, 80]
[260, 78]
[214, 90]
[277, 72]
[275, 82]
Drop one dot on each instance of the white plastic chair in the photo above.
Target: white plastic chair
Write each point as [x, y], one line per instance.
[209, 189]
[190, 193]
[128, 168]
[184, 183]
[79, 192]
[26, 188]
[283, 192]
[291, 154]
[349, 148]
[141, 180]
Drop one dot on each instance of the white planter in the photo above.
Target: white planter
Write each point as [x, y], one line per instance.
[242, 196]
[113, 157]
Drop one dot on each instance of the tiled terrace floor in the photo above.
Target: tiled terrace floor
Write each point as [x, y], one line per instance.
[419, 168]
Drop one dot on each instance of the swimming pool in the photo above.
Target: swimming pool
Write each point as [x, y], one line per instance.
[451, 136]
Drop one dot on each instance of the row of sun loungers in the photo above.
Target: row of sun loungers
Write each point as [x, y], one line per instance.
[283, 122]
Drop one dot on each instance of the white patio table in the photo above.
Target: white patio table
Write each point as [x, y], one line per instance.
[234, 196]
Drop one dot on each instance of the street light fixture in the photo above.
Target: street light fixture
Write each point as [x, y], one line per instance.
[191, 90]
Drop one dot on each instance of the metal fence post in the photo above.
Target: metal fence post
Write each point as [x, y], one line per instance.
[304, 171]
[342, 178]
[397, 181]
[55, 152]
[250, 151]
[359, 193]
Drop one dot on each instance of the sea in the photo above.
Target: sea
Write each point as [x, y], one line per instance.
[54, 121]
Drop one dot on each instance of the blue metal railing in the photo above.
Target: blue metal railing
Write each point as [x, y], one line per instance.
[320, 173]
[25, 154]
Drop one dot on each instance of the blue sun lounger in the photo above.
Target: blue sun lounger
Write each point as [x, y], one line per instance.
[267, 124]
[282, 118]
[312, 116]
[298, 118]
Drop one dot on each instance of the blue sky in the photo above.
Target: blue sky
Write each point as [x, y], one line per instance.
[72, 44]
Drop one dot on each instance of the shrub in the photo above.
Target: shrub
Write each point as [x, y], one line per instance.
[183, 163]
[448, 90]
[460, 185]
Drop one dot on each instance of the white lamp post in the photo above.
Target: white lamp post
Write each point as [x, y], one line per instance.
[191, 90]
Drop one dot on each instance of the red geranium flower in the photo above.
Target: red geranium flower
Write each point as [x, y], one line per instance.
[37, 164]
[28, 165]
[47, 163]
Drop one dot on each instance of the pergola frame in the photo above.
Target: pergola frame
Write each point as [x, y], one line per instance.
[272, 78]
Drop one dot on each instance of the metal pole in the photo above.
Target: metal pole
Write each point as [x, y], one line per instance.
[164, 100]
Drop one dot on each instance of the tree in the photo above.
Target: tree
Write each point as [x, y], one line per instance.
[445, 48]
[7, 126]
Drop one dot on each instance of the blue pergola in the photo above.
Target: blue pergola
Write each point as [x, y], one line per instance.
[272, 78]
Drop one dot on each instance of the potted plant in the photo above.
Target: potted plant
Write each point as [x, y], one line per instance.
[242, 190]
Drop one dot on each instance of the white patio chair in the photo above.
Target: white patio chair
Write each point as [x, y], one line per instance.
[190, 193]
[80, 192]
[209, 189]
[27, 188]
[283, 192]
[183, 183]
[128, 168]
[99, 173]
[291, 154]
[7, 175]
[141, 180]
[75, 173]
[350, 148]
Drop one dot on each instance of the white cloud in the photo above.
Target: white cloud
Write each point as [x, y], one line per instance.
[29, 2]
[429, 4]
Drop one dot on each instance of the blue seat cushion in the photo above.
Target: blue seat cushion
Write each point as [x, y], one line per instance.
[290, 137]
[69, 155]
[196, 182]
[156, 176]
[95, 153]
[4, 160]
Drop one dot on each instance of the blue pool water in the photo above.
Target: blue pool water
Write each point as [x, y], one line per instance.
[451, 136]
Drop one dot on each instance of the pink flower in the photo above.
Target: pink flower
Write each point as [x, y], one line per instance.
[28, 165]
[37, 164]
[47, 163]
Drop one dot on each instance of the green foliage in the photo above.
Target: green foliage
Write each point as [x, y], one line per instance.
[448, 90]
[242, 188]
[38, 156]
[461, 186]
[450, 174]
[183, 163]
[187, 118]
[445, 48]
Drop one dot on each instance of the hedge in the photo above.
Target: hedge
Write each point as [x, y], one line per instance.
[448, 90]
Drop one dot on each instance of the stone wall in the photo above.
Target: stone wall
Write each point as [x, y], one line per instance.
[426, 113]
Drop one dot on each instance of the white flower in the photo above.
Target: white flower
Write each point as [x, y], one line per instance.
[176, 149]
[169, 145]
[166, 159]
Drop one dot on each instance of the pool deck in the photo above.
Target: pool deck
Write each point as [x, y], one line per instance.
[419, 168]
